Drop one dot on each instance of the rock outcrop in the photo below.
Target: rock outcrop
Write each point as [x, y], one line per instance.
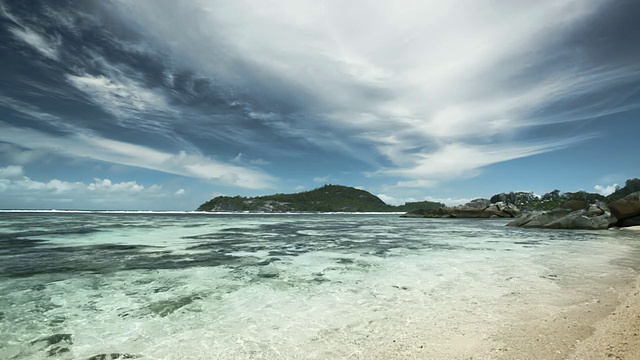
[476, 209]
[576, 214]
[513, 198]
[632, 221]
[562, 218]
[626, 209]
[554, 210]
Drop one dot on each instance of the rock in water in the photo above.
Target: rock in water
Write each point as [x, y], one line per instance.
[562, 218]
[54, 339]
[268, 272]
[627, 207]
[113, 356]
[632, 221]
[475, 209]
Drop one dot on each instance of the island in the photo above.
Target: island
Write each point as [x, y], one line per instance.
[328, 198]
[553, 210]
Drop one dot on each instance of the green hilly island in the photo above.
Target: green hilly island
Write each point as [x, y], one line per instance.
[338, 198]
[328, 198]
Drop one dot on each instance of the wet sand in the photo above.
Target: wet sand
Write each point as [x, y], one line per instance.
[592, 327]
[583, 326]
[618, 335]
[605, 327]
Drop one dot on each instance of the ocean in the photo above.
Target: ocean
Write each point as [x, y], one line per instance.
[106, 285]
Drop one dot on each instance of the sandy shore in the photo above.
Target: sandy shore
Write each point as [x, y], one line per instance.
[631, 228]
[606, 327]
[593, 325]
[618, 335]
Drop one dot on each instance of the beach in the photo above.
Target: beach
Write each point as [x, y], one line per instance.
[605, 327]
[590, 326]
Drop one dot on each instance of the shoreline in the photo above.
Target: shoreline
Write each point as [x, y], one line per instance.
[617, 336]
[605, 327]
[576, 323]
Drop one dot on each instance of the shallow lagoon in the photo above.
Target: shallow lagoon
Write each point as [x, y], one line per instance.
[287, 286]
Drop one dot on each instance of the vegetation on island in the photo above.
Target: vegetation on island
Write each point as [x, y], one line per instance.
[328, 198]
[556, 198]
[337, 198]
[631, 186]
[528, 201]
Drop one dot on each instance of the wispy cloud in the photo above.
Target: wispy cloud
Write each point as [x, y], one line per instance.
[321, 179]
[462, 160]
[417, 93]
[417, 82]
[121, 98]
[37, 41]
[119, 152]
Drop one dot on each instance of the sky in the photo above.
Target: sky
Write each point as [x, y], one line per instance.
[162, 104]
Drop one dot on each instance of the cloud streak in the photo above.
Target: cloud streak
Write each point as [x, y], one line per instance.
[118, 152]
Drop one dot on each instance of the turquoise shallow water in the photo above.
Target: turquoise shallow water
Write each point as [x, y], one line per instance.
[250, 286]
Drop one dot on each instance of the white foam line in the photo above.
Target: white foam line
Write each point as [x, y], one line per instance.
[192, 212]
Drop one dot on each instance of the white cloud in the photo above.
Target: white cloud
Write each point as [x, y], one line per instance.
[21, 184]
[419, 82]
[299, 188]
[16, 155]
[11, 171]
[37, 41]
[606, 190]
[461, 160]
[432, 90]
[417, 183]
[259, 162]
[24, 192]
[241, 159]
[107, 185]
[449, 201]
[118, 152]
[123, 97]
[395, 200]
[391, 200]
[321, 179]
[20, 191]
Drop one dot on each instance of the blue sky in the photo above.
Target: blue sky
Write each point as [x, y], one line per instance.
[145, 104]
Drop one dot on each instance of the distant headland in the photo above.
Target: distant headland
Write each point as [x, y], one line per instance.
[328, 198]
[556, 209]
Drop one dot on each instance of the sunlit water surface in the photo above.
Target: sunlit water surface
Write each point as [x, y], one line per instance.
[249, 286]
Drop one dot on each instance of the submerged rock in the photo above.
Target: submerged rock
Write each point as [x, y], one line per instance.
[54, 339]
[57, 350]
[268, 272]
[113, 356]
[169, 306]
